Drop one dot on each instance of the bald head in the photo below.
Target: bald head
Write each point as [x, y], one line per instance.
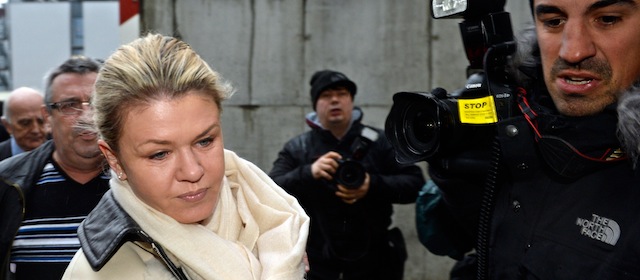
[23, 96]
[23, 119]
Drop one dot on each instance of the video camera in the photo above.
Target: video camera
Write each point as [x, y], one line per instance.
[424, 125]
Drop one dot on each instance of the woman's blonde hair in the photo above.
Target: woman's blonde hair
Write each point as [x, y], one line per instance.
[150, 68]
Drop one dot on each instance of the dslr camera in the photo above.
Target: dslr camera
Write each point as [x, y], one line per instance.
[350, 172]
[438, 124]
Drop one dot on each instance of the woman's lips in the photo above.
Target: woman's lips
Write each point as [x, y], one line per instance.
[194, 196]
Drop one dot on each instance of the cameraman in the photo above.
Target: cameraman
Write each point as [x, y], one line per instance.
[349, 235]
[566, 202]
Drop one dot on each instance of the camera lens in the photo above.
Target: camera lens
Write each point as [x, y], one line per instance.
[417, 125]
[350, 174]
[422, 127]
[425, 126]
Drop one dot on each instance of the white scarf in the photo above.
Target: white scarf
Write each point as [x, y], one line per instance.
[257, 231]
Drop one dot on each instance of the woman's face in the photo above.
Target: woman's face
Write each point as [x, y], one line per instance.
[171, 153]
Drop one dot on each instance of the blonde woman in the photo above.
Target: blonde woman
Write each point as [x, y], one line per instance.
[180, 205]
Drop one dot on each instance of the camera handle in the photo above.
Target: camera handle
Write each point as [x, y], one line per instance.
[363, 142]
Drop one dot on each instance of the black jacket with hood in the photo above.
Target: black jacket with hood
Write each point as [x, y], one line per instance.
[552, 211]
[340, 230]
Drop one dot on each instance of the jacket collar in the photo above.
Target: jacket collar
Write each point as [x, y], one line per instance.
[104, 231]
[313, 122]
[23, 169]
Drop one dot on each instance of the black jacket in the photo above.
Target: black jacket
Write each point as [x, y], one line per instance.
[555, 214]
[5, 149]
[18, 174]
[339, 230]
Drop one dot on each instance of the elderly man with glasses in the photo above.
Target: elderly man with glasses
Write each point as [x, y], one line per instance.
[47, 192]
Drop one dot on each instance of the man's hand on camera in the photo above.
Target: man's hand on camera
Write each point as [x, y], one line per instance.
[351, 196]
[325, 166]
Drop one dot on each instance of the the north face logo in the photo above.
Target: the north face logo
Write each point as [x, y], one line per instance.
[600, 228]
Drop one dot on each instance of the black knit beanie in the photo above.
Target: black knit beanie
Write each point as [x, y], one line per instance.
[326, 79]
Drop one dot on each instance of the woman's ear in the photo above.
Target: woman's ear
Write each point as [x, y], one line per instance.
[110, 155]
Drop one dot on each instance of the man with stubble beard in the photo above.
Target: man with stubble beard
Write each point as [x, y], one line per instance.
[561, 198]
[47, 192]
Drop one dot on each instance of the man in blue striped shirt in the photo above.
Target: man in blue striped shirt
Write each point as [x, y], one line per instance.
[47, 192]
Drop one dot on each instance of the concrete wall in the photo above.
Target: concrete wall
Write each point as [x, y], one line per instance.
[270, 48]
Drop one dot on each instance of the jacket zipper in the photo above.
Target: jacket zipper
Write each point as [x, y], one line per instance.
[177, 272]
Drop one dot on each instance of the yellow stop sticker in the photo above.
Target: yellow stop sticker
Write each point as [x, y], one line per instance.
[478, 111]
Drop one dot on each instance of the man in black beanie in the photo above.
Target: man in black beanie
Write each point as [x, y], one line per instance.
[324, 79]
[350, 205]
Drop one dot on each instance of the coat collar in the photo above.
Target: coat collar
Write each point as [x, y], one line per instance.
[104, 231]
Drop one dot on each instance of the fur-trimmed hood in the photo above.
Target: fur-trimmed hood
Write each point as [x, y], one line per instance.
[526, 69]
[629, 122]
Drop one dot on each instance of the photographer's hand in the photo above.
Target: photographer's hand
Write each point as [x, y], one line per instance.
[351, 196]
[325, 166]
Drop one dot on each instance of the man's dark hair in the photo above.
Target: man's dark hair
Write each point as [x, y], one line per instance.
[76, 64]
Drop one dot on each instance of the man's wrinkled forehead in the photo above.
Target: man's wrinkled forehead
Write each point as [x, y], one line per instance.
[594, 5]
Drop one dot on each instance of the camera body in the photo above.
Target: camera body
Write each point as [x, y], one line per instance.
[426, 125]
[350, 172]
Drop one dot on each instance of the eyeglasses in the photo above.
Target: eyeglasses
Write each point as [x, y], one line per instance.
[69, 108]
